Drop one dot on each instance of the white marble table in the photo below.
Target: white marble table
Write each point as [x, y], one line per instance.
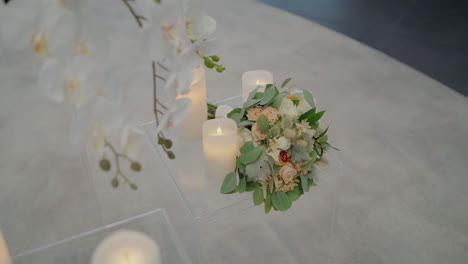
[402, 197]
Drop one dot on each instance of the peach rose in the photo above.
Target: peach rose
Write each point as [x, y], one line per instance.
[257, 134]
[254, 113]
[271, 113]
[288, 172]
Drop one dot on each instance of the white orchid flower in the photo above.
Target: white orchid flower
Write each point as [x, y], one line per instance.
[45, 27]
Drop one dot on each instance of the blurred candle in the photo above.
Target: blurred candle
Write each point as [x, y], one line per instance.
[4, 255]
[252, 79]
[191, 126]
[220, 147]
[127, 247]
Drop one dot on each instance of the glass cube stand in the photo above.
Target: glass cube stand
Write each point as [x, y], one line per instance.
[79, 249]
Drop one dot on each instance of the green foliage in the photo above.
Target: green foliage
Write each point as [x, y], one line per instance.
[229, 183]
[251, 185]
[252, 155]
[304, 183]
[311, 116]
[115, 182]
[247, 146]
[211, 62]
[240, 165]
[309, 98]
[135, 166]
[237, 117]
[258, 195]
[295, 194]
[251, 102]
[281, 201]
[268, 204]
[285, 82]
[262, 123]
[234, 111]
[299, 154]
[260, 168]
[258, 95]
[269, 94]
[277, 100]
[242, 184]
[244, 123]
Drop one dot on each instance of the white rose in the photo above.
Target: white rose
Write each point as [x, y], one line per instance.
[222, 111]
[244, 135]
[287, 108]
[284, 143]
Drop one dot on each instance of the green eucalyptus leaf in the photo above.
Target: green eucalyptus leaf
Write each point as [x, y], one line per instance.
[251, 185]
[311, 183]
[277, 100]
[263, 124]
[327, 145]
[269, 94]
[304, 183]
[285, 82]
[240, 165]
[258, 195]
[281, 201]
[295, 194]
[242, 184]
[252, 94]
[248, 146]
[307, 165]
[269, 85]
[234, 111]
[313, 156]
[237, 117]
[268, 202]
[260, 168]
[229, 183]
[258, 95]
[309, 98]
[251, 156]
[251, 102]
[245, 123]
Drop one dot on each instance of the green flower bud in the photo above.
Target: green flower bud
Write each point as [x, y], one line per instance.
[219, 68]
[171, 155]
[115, 182]
[133, 186]
[168, 143]
[105, 164]
[136, 166]
[209, 63]
[160, 140]
[215, 58]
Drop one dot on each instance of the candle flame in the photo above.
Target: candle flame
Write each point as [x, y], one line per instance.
[219, 131]
[257, 82]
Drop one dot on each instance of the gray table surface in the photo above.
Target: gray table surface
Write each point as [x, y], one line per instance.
[402, 197]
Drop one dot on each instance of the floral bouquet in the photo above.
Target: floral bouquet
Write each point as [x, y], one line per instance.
[281, 144]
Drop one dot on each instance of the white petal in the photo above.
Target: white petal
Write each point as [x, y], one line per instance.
[205, 26]
[51, 80]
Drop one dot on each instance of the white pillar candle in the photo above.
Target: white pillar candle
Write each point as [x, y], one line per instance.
[252, 79]
[127, 247]
[220, 147]
[191, 126]
[4, 255]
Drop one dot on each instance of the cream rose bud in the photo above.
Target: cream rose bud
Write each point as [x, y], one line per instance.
[287, 108]
[288, 172]
[271, 113]
[254, 113]
[289, 133]
[302, 143]
[284, 143]
[222, 111]
[257, 134]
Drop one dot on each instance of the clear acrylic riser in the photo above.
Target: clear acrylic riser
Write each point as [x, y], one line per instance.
[79, 249]
[201, 193]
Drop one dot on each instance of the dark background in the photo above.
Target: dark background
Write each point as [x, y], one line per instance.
[429, 35]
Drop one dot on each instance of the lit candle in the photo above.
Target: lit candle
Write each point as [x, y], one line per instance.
[191, 126]
[127, 247]
[220, 147]
[252, 79]
[4, 255]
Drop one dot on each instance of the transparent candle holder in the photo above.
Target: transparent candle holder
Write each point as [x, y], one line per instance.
[79, 249]
[201, 192]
